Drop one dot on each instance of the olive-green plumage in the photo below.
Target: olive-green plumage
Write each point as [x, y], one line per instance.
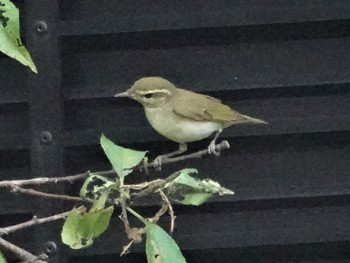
[181, 115]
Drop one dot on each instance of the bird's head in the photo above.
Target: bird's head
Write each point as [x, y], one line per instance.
[150, 91]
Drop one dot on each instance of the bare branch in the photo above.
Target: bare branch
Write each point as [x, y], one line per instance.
[157, 184]
[126, 248]
[171, 210]
[17, 189]
[218, 148]
[44, 180]
[20, 252]
[55, 180]
[32, 222]
[159, 213]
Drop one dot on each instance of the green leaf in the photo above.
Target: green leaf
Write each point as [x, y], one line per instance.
[2, 259]
[81, 228]
[97, 188]
[160, 247]
[10, 40]
[122, 159]
[191, 191]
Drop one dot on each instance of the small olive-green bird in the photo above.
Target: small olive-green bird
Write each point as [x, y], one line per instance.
[181, 115]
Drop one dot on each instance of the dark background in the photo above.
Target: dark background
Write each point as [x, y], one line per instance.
[286, 61]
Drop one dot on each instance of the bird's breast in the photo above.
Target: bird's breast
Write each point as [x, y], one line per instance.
[179, 128]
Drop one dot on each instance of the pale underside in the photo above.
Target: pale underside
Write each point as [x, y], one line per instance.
[178, 128]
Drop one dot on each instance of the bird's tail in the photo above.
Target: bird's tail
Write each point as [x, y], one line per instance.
[254, 120]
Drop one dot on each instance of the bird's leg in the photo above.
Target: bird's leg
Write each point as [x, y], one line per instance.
[211, 147]
[157, 163]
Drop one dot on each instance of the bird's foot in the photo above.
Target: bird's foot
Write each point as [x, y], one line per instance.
[212, 150]
[157, 162]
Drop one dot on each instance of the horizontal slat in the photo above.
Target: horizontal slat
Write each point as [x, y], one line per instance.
[209, 68]
[13, 83]
[14, 126]
[17, 141]
[85, 121]
[14, 165]
[245, 229]
[310, 253]
[83, 17]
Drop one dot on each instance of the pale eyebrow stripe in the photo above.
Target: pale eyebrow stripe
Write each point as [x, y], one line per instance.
[154, 91]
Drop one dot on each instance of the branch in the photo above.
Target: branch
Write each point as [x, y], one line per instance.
[171, 210]
[55, 180]
[158, 184]
[44, 180]
[218, 148]
[33, 192]
[20, 252]
[32, 222]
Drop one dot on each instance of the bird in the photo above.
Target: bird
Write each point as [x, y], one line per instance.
[181, 115]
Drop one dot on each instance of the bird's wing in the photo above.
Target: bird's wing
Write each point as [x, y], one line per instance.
[204, 108]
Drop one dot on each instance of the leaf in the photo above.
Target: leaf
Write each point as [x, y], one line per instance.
[10, 40]
[97, 188]
[2, 259]
[122, 159]
[81, 228]
[191, 191]
[160, 247]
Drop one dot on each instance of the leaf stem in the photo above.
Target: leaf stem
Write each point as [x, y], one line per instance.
[137, 215]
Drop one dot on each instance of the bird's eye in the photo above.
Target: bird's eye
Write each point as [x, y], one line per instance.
[148, 95]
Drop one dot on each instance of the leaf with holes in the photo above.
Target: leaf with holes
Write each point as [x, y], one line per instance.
[98, 188]
[10, 40]
[81, 227]
[160, 247]
[188, 190]
[122, 159]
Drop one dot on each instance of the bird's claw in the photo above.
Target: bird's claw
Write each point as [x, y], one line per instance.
[211, 149]
[157, 163]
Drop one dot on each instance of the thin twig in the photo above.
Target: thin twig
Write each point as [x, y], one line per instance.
[171, 210]
[159, 213]
[20, 252]
[46, 180]
[126, 248]
[32, 222]
[142, 185]
[218, 148]
[17, 189]
[158, 184]
[124, 215]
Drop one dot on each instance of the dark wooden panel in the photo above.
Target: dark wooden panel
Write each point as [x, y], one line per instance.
[45, 89]
[14, 165]
[83, 17]
[14, 126]
[45, 108]
[13, 84]
[256, 168]
[209, 68]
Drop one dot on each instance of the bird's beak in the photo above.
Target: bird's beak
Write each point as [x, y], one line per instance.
[123, 94]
